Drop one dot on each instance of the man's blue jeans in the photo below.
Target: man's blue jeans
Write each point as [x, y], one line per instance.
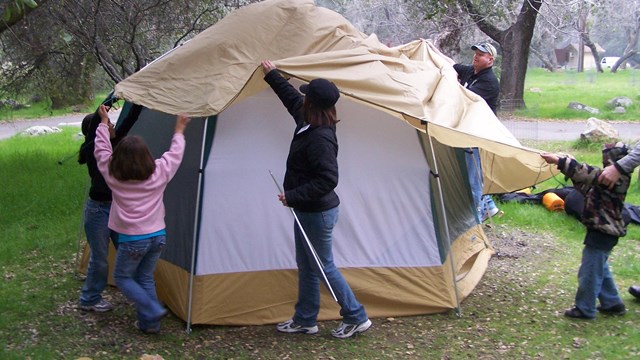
[484, 204]
[319, 228]
[135, 263]
[595, 282]
[96, 220]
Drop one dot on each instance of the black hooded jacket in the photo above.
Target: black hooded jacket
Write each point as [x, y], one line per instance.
[312, 164]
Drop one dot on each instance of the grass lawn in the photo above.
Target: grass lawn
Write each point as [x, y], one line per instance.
[515, 312]
[43, 109]
[547, 94]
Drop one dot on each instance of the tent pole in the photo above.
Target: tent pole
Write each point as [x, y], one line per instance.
[195, 228]
[444, 220]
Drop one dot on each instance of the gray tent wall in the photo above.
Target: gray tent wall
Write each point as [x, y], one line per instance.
[390, 209]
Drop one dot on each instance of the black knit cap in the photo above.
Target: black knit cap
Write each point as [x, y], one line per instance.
[321, 92]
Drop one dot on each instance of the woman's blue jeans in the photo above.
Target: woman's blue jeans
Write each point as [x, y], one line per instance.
[319, 228]
[96, 220]
[135, 264]
[595, 282]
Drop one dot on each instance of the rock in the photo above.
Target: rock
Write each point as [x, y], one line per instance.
[581, 107]
[12, 104]
[619, 110]
[620, 101]
[40, 130]
[599, 131]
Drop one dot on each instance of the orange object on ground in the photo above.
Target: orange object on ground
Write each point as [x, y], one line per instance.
[553, 202]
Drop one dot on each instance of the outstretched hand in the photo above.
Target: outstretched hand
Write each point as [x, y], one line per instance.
[549, 157]
[267, 66]
[181, 123]
[103, 111]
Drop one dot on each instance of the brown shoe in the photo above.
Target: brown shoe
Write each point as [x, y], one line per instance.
[575, 313]
[616, 310]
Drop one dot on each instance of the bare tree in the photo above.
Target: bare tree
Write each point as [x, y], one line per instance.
[125, 35]
[626, 15]
[56, 49]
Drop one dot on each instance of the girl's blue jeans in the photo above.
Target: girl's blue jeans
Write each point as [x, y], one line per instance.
[319, 228]
[135, 264]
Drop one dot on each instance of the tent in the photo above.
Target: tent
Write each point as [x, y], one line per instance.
[407, 240]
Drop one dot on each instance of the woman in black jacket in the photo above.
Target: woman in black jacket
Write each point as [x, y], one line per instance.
[309, 183]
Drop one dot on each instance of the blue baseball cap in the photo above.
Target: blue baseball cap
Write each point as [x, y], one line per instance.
[485, 48]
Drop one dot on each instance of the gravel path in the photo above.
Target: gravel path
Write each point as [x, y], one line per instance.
[521, 129]
[12, 127]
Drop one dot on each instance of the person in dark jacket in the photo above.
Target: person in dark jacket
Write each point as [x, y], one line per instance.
[602, 215]
[480, 79]
[609, 177]
[96, 218]
[309, 182]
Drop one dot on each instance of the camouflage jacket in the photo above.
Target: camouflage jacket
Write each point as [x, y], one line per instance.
[602, 207]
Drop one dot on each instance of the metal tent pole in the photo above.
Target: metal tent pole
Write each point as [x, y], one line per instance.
[195, 228]
[319, 266]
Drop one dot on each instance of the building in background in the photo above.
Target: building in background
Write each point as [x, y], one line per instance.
[567, 57]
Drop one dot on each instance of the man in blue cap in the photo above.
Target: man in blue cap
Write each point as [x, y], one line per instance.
[479, 78]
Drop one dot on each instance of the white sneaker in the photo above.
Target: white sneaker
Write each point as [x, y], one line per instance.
[491, 213]
[348, 330]
[290, 326]
[101, 306]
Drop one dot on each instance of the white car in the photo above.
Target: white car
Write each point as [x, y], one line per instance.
[609, 61]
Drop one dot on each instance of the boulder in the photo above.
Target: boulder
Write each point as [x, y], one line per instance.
[620, 101]
[581, 107]
[40, 130]
[619, 110]
[599, 131]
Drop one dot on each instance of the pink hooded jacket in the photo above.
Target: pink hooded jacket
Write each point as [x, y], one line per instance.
[137, 207]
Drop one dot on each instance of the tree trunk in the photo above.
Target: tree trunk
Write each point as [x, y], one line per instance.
[515, 52]
[594, 50]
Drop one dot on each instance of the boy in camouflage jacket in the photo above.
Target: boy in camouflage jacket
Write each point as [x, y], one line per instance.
[602, 215]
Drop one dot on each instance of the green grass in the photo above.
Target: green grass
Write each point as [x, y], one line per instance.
[513, 313]
[558, 89]
[42, 109]
[44, 196]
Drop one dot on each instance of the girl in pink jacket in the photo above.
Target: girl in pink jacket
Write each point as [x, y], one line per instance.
[137, 182]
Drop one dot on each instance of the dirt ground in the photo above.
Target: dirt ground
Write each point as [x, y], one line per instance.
[518, 254]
